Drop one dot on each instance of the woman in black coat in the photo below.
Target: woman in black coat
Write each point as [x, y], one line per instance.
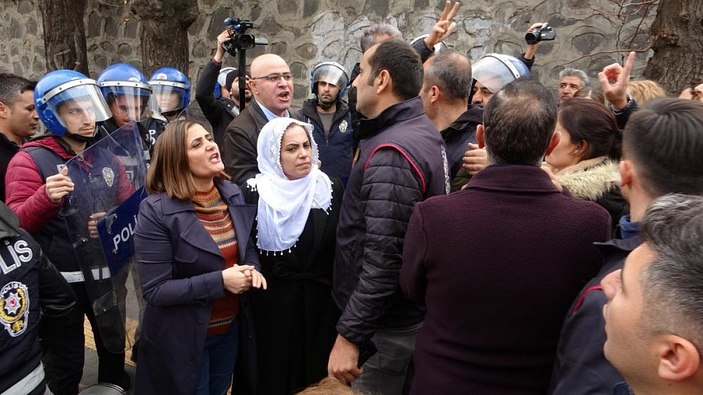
[298, 210]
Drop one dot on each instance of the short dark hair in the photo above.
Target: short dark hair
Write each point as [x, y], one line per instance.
[519, 122]
[169, 170]
[451, 72]
[403, 64]
[11, 86]
[587, 120]
[664, 139]
[673, 297]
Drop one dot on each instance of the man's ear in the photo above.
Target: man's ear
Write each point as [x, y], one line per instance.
[480, 135]
[627, 173]
[553, 142]
[252, 87]
[677, 358]
[435, 93]
[4, 110]
[384, 81]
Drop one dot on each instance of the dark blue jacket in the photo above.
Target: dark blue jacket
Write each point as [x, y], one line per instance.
[30, 286]
[336, 149]
[581, 367]
[180, 268]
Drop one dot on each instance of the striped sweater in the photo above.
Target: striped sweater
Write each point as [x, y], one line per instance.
[213, 214]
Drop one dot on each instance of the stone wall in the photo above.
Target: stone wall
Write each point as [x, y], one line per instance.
[589, 33]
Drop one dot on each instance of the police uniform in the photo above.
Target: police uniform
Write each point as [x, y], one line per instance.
[30, 287]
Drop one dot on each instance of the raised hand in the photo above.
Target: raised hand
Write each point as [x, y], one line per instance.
[613, 81]
[444, 26]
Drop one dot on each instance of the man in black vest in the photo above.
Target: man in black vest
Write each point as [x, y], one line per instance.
[400, 161]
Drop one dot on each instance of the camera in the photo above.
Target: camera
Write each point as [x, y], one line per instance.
[239, 39]
[543, 33]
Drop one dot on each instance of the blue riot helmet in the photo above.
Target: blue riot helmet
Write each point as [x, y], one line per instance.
[331, 73]
[439, 47]
[222, 80]
[170, 90]
[494, 71]
[126, 92]
[69, 103]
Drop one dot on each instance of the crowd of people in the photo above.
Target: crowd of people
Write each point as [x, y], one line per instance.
[426, 224]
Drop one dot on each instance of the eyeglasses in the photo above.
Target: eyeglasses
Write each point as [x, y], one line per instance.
[274, 77]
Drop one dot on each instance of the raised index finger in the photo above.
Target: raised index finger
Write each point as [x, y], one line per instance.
[627, 68]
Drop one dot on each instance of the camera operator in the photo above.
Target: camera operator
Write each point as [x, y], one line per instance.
[219, 112]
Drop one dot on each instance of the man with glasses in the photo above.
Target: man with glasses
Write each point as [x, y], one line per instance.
[271, 85]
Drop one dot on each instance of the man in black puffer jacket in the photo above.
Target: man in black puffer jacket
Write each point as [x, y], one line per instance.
[400, 161]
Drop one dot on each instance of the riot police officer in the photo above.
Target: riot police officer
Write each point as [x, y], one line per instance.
[127, 93]
[30, 287]
[40, 190]
[170, 93]
[331, 118]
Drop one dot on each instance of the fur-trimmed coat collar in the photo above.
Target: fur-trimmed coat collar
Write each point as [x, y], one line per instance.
[590, 179]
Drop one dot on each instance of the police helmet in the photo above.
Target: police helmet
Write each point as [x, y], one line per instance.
[495, 71]
[164, 82]
[123, 79]
[331, 73]
[222, 80]
[58, 87]
[439, 47]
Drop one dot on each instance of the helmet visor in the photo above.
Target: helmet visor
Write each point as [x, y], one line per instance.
[127, 103]
[79, 107]
[331, 75]
[493, 73]
[166, 98]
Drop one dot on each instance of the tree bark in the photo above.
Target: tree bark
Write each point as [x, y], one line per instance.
[677, 33]
[164, 32]
[64, 34]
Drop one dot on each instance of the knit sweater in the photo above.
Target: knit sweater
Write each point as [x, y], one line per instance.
[214, 215]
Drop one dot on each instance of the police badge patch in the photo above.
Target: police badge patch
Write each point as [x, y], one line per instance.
[14, 307]
[343, 126]
[108, 176]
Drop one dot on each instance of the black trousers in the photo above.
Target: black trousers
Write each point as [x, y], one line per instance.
[63, 346]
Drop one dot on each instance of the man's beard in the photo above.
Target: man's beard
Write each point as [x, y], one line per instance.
[325, 104]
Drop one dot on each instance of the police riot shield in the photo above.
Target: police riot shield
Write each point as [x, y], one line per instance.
[100, 215]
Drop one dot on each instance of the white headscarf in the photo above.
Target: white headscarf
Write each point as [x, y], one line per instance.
[284, 204]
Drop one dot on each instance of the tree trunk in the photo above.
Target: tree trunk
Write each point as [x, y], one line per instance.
[677, 43]
[64, 34]
[165, 32]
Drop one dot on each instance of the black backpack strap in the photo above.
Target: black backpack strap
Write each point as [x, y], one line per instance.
[48, 162]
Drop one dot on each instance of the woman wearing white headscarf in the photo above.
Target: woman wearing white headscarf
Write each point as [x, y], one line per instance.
[298, 211]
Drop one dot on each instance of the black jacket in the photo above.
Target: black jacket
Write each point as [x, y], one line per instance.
[219, 112]
[457, 137]
[8, 149]
[30, 286]
[336, 149]
[401, 161]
